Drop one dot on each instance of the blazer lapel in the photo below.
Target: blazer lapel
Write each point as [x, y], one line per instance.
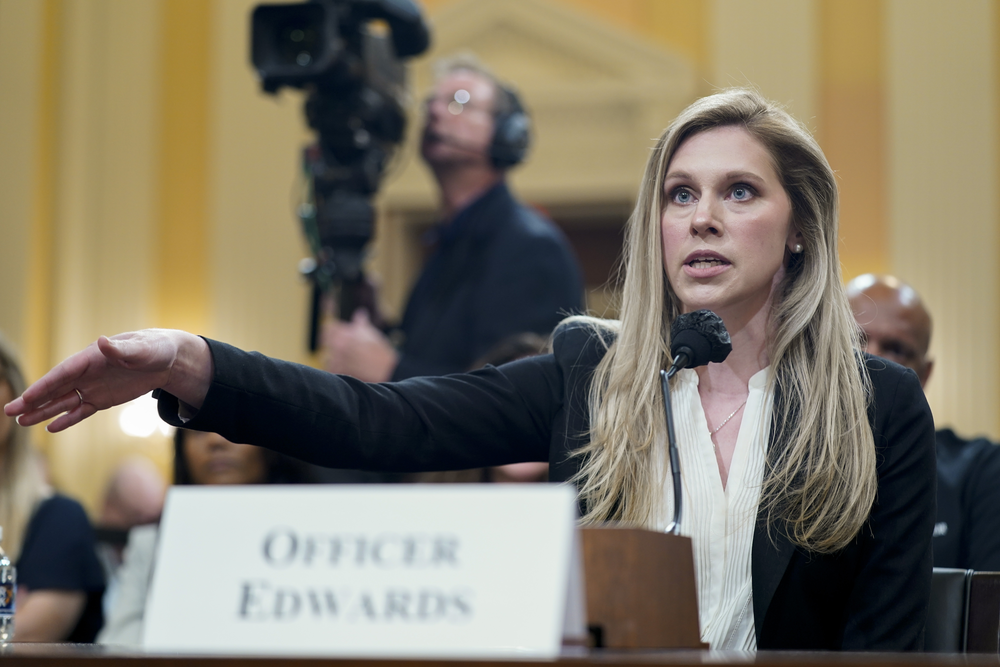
[770, 553]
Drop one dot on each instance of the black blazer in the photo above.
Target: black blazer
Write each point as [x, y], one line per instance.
[870, 596]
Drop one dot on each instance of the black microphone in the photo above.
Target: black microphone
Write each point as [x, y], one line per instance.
[695, 339]
[698, 338]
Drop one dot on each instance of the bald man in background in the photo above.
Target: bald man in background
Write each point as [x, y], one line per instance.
[134, 496]
[897, 327]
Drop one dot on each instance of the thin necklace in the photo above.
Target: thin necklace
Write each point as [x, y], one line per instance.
[731, 415]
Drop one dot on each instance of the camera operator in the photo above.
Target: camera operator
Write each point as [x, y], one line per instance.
[497, 268]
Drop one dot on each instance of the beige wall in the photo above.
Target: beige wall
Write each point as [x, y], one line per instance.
[144, 181]
[942, 119]
[20, 32]
[93, 244]
[769, 44]
[256, 298]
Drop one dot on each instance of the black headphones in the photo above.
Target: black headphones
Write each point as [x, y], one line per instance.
[511, 132]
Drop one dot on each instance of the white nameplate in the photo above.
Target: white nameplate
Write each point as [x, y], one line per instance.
[368, 571]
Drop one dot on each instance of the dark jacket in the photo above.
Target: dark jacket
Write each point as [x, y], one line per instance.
[499, 269]
[967, 532]
[870, 596]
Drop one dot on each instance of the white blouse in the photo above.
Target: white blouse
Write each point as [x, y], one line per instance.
[720, 522]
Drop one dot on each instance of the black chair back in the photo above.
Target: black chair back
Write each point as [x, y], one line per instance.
[982, 630]
[947, 614]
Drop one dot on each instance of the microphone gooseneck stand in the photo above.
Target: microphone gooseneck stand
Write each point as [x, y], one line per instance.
[675, 460]
[695, 339]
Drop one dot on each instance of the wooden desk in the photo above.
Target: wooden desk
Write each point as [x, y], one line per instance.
[82, 655]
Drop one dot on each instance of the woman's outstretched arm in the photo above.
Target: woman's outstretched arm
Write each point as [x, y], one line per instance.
[488, 417]
[115, 370]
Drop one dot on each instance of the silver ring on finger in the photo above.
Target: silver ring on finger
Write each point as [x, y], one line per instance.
[80, 396]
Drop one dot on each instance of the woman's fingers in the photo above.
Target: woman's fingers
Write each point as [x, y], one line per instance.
[74, 416]
[115, 370]
[59, 381]
[109, 372]
[14, 408]
[65, 403]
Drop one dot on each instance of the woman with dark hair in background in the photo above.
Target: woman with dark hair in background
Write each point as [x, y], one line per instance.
[46, 535]
[208, 458]
[199, 458]
[809, 466]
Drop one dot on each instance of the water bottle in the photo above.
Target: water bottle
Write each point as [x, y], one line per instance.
[8, 591]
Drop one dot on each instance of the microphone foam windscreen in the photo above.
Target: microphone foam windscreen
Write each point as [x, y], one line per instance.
[704, 334]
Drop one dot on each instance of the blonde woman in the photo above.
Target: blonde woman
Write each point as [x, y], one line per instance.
[47, 536]
[809, 467]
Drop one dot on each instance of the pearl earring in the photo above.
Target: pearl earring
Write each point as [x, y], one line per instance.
[797, 249]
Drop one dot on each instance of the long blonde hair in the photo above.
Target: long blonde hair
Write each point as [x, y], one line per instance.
[21, 483]
[820, 483]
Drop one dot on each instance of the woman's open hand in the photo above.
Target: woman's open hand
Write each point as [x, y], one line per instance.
[115, 370]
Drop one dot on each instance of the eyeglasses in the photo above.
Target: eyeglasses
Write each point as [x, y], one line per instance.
[458, 102]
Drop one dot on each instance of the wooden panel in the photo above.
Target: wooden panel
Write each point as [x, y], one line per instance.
[640, 588]
[83, 655]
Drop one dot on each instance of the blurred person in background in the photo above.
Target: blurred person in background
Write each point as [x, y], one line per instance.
[897, 327]
[497, 267]
[199, 458]
[46, 535]
[133, 497]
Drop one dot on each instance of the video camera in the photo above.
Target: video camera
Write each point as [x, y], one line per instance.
[351, 66]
